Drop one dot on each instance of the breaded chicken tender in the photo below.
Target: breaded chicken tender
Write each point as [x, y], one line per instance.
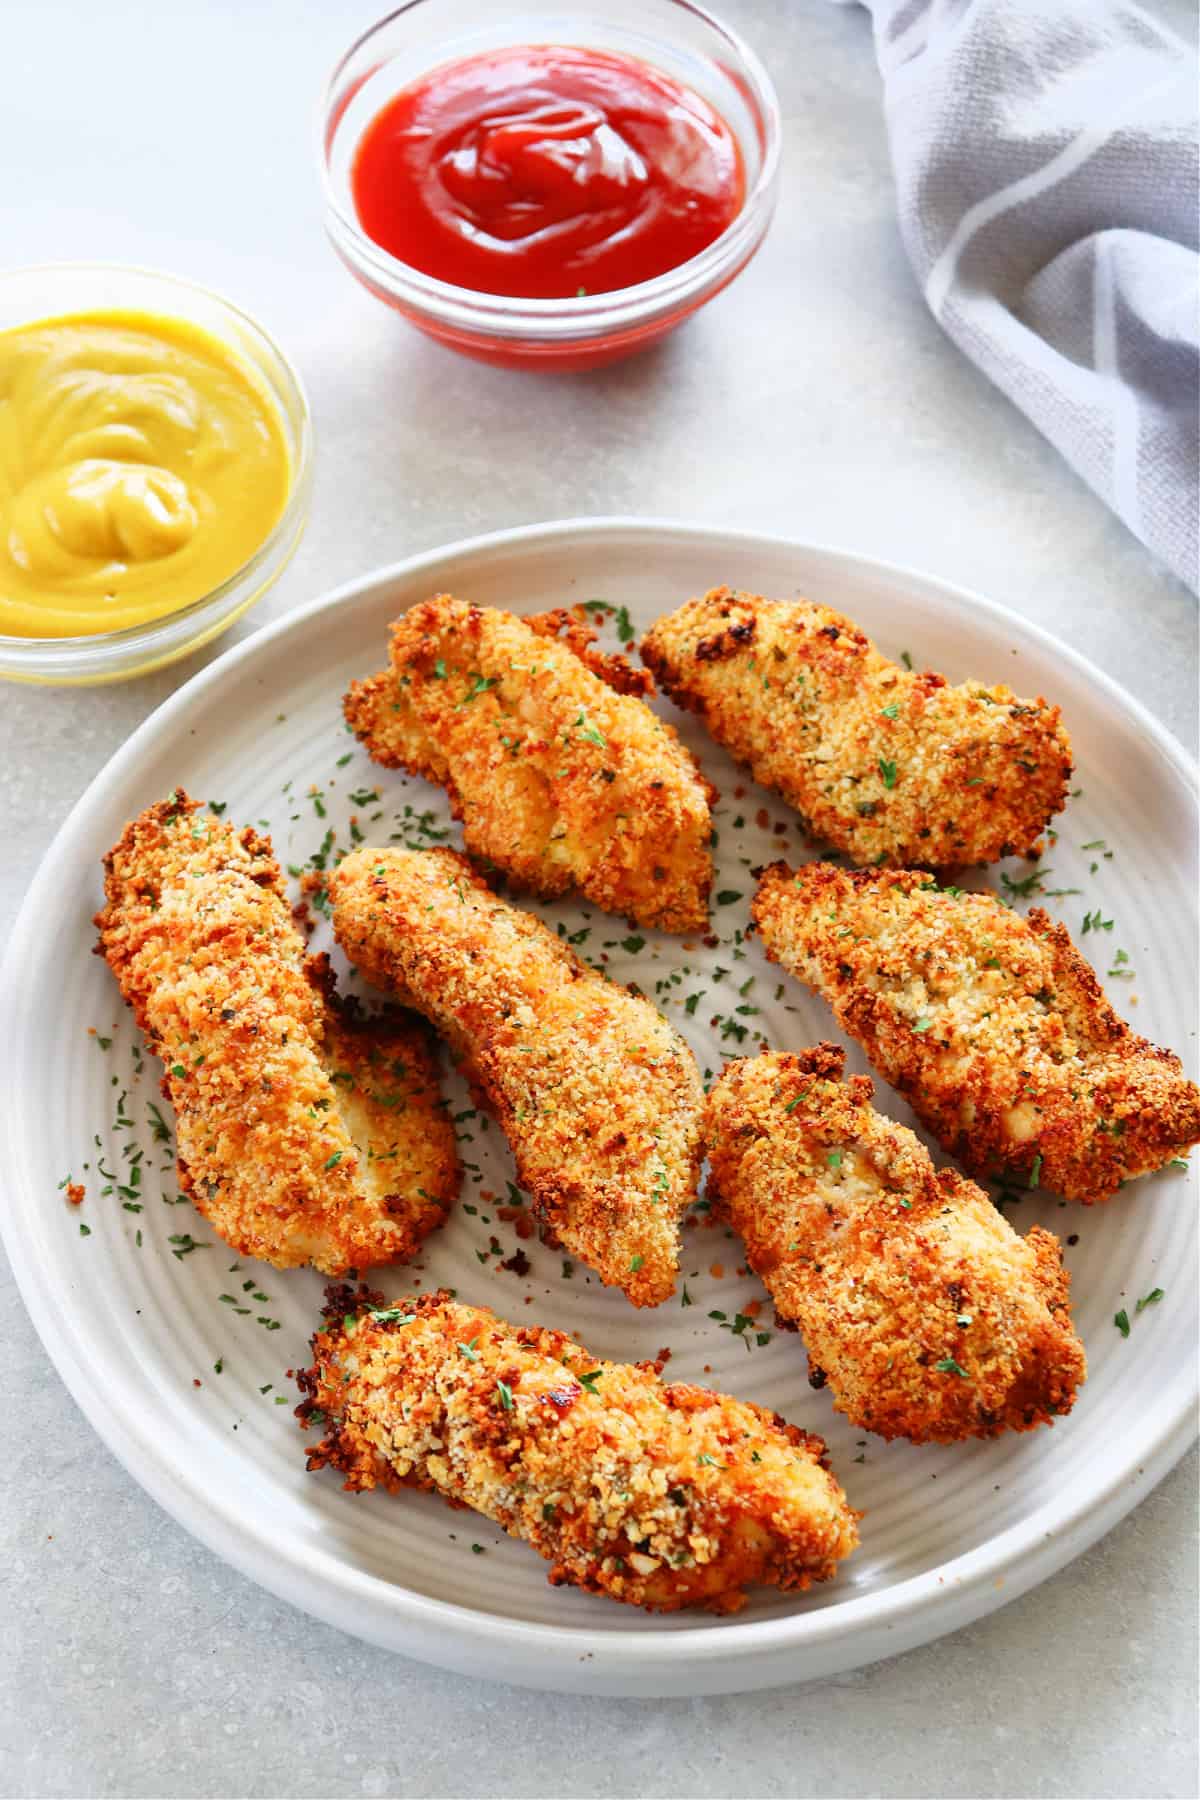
[656, 1493]
[993, 1027]
[599, 1098]
[304, 1134]
[559, 780]
[926, 1314]
[886, 765]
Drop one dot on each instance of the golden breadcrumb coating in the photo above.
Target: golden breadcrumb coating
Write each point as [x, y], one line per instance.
[926, 1314]
[887, 765]
[599, 1098]
[993, 1027]
[304, 1134]
[656, 1493]
[558, 780]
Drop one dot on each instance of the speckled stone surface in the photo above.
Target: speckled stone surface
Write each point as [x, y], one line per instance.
[815, 398]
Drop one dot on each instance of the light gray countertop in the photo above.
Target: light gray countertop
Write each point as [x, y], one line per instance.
[815, 398]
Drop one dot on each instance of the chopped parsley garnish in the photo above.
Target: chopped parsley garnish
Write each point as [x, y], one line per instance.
[504, 1395]
[1150, 1299]
[1035, 1173]
[468, 1349]
[185, 1243]
[391, 1315]
[332, 1161]
[888, 771]
[479, 685]
[948, 1366]
[1121, 1321]
[727, 896]
[923, 1023]
[635, 1263]
[1029, 884]
[891, 712]
[589, 1380]
[834, 1159]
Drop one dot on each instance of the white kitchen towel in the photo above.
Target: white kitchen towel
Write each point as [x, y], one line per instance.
[1048, 177]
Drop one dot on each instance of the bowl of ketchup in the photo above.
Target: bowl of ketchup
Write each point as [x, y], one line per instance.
[538, 187]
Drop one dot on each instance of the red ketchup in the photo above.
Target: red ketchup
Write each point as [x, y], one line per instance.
[545, 172]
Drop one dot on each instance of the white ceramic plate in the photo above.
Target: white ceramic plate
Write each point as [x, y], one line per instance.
[137, 1330]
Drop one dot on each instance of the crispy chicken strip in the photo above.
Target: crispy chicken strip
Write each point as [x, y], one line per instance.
[558, 780]
[927, 1315]
[305, 1134]
[993, 1027]
[599, 1098]
[657, 1493]
[884, 764]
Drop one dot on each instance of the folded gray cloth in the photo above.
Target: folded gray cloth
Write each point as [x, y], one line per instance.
[1047, 161]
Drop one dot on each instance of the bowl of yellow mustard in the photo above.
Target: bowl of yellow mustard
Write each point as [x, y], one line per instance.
[155, 469]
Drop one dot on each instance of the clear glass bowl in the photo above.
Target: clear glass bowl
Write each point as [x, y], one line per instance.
[54, 289]
[673, 35]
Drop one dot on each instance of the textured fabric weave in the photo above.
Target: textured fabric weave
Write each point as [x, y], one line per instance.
[1048, 179]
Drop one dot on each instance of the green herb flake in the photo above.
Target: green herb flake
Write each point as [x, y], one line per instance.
[1150, 1299]
[948, 1366]
[504, 1395]
[888, 771]
[1121, 1321]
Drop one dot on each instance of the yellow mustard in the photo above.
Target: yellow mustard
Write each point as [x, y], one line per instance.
[141, 464]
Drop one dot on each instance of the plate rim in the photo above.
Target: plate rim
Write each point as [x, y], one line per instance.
[722, 1658]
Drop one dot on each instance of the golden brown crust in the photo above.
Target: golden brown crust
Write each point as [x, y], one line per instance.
[656, 1493]
[887, 765]
[559, 780]
[993, 1027]
[304, 1134]
[572, 627]
[926, 1314]
[598, 1097]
